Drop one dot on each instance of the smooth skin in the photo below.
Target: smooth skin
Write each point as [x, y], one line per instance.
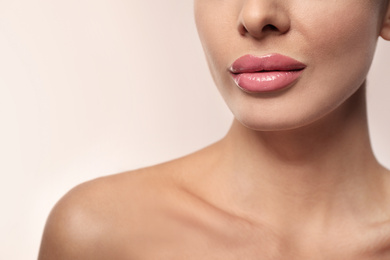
[294, 178]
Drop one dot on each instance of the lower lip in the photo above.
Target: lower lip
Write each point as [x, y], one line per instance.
[266, 81]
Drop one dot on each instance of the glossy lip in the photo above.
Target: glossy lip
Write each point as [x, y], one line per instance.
[267, 73]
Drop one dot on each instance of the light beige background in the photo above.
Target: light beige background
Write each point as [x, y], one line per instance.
[95, 87]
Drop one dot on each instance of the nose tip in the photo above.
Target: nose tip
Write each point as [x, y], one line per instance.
[259, 18]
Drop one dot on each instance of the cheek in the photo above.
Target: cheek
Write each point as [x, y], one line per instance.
[216, 22]
[337, 36]
[339, 48]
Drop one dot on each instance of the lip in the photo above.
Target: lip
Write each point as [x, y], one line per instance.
[267, 73]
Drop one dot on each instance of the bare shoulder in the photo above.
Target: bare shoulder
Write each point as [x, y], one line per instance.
[133, 215]
[100, 215]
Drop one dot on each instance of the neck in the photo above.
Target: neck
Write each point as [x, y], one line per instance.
[306, 170]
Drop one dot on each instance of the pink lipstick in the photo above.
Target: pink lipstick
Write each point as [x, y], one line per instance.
[266, 73]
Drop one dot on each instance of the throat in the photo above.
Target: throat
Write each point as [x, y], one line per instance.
[314, 170]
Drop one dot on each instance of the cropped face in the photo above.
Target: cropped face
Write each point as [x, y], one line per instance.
[284, 64]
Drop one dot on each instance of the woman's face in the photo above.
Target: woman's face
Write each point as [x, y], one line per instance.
[335, 40]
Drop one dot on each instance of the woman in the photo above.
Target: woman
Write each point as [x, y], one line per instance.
[294, 178]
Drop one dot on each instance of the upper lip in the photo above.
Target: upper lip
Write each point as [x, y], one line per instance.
[270, 62]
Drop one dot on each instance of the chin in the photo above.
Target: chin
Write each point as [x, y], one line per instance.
[279, 121]
[269, 124]
[298, 110]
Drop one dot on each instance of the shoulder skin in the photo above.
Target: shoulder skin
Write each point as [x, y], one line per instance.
[88, 222]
